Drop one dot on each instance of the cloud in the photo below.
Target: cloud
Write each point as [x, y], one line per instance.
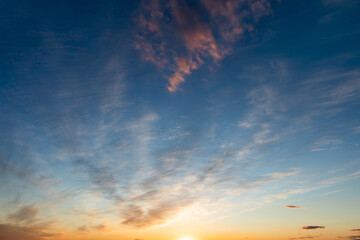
[102, 178]
[339, 2]
[357, 237]
[264, 101]
[137, 217]
[280, 175]
[35, 232]
[325, 144]
[312, 227]
[356, 129]
[307, 237]
[99, 227]
[290, 206]
[333, 87]
[327, 18]
[12, 168]
[83, 228]
[174, 36]
[28, 225]
[231, 23]
[25, 214]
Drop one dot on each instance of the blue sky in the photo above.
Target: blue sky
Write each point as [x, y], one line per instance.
[123, 116]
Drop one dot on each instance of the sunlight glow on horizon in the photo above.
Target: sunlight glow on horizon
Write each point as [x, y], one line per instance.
[187, 238]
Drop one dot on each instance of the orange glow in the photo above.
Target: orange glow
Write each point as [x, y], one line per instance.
[187, 238]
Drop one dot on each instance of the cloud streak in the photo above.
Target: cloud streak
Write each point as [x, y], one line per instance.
[291, 206]
[307, 237]
[312, 227]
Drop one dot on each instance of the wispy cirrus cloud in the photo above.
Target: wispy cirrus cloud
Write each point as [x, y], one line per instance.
[174, 35]
[356, 130]
[264, 101]
[325, 144]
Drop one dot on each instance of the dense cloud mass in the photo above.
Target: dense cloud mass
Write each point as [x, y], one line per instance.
[195, 40]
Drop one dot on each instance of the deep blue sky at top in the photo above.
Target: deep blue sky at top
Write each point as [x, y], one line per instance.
[49, 46]
[50, 40]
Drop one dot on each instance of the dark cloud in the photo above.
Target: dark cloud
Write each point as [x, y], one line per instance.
[16, 232]
[26, 214]
[312, 227]
[291, 206]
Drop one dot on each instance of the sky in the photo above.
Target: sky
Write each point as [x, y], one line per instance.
[180, 120]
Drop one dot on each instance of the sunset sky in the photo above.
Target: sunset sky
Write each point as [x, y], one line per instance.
[180, 120]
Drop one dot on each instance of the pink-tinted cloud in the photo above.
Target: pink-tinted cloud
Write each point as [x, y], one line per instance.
[175, 37]
[184, 67]
[197, 38]
[228, 18]
[196, 35]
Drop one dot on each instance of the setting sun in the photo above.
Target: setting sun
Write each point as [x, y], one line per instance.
[187, 238]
